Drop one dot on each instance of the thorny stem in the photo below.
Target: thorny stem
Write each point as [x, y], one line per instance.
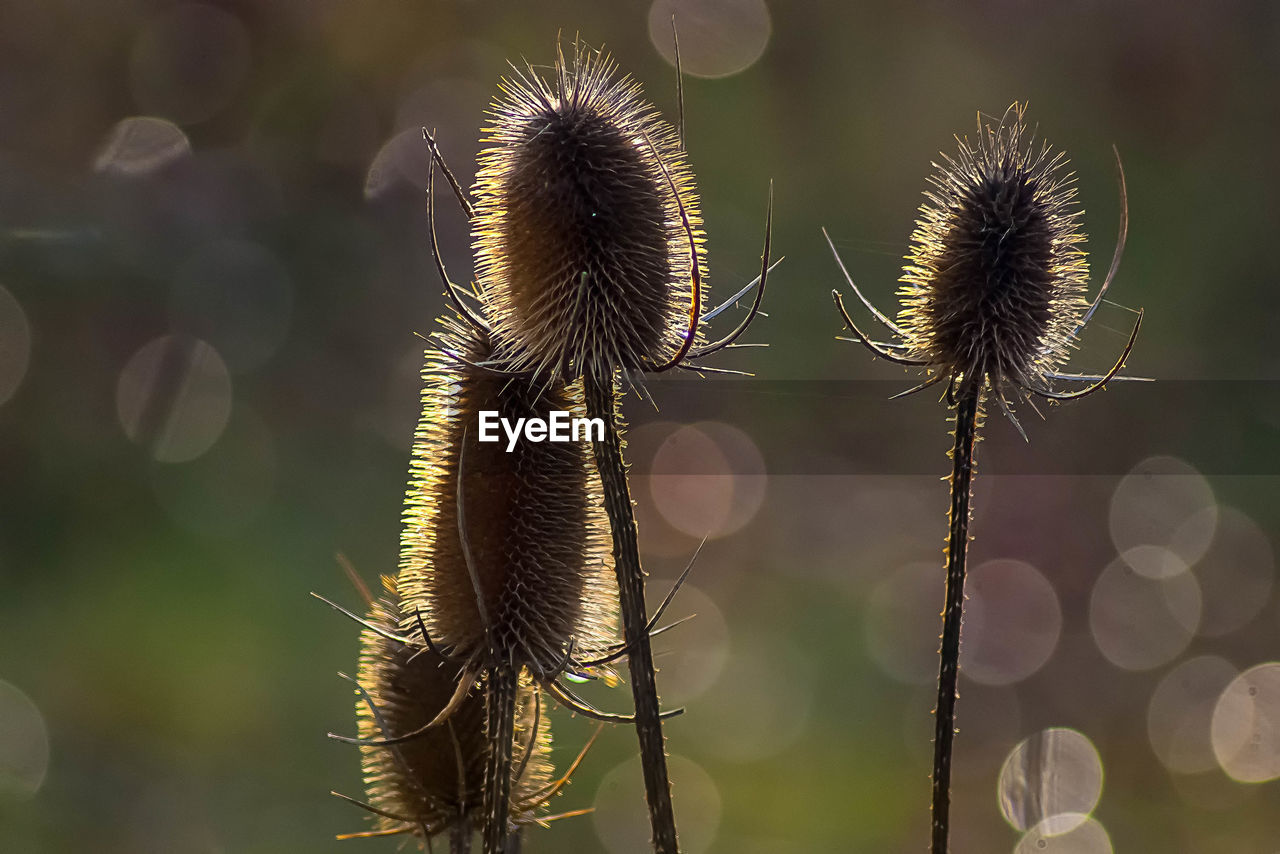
[957, 546]
[500, 713]
[601, 404]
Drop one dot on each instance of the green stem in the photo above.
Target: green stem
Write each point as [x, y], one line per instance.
[601, 403]
[957, 547]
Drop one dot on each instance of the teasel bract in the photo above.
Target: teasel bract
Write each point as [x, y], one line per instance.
[993, 298]
[504, 566]
[590, 264]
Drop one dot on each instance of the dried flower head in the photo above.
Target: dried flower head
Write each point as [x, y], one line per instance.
[585, 209]
[432, 782]
[993, 292]
[993, 296]
[996, 277]
[589, 262]
[505, 553]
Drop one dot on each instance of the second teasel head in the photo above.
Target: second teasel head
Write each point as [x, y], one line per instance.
[504, 551]
[432, 782]
[995, 281]
[585, 208]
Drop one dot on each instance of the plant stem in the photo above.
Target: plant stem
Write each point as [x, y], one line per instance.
[601, 403]
[460, 838]
[967, 407]
[500, 713]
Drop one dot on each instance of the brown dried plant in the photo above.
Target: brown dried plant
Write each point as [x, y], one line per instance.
[992, 301]
[590, 264]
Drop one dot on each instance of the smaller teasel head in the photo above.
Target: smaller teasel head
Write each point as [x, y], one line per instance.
[993, 294]
[585, 215]
[432, 782]
[996, 277]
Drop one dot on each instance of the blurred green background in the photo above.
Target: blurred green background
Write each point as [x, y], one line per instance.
[212, 266]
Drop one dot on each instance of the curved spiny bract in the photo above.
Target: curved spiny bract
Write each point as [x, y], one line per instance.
[532, 532]
[583, 258]
[995, 281]
[433, 782]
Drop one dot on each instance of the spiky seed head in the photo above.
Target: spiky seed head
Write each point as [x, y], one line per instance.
[435, 780]
[535, 527]
[994, 285]
[582, 257]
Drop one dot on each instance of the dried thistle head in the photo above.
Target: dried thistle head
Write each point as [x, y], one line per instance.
[433, 782]
[585, 206]
[526, 570]
[995, 281]
[993, 292]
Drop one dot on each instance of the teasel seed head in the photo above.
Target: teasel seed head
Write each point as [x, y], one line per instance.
[993, 297]
[527, 570]
[582, 244]
[433, 782]
[995, 281]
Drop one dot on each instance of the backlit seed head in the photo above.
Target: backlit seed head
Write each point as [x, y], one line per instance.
[434, 781]
[996, 276]
[536, 533]
[582, 258]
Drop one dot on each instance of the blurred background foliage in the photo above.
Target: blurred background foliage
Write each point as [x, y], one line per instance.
[212, 266]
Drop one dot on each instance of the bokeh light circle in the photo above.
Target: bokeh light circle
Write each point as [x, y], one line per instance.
[1246, 725]
[1181, 710]
[24, 743]
[1051, 780]
[657, 538]
[694, 654]
[902, 623]
[174, 397]
[1236, 575]
[1155, 561]
[141, 145]
[717, 37]
[1087, 836]
[622, 820]
[1139, 622]
[1012, 622]
[403, 160]
[1165, 502]
[707, 479]
[15, 344]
